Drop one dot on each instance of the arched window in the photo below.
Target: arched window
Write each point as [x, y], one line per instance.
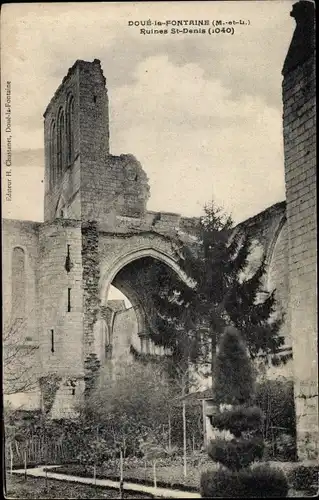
[52, 154]
[70, 129]
[60, 145]
[18, 284]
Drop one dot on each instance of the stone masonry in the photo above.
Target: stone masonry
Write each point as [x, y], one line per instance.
[299, 115]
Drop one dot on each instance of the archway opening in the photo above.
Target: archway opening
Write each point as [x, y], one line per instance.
[116, 294]
[128, 309]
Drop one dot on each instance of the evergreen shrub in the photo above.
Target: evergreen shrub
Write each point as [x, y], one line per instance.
[234, 386]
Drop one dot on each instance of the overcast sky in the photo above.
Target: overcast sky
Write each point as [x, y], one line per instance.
[203, 114]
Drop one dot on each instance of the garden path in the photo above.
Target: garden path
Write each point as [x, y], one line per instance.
[157, 492]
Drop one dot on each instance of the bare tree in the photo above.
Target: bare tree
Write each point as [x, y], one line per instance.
[18, 355]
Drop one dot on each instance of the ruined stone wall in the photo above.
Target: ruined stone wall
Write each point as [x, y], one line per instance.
[265, 226]
[277, 276]
[118, 249]
[160, 223]
[24, 235]
[299, 111]
[90, 283]
[86, 83]
[95, 183]
[65, 194]
[268, 231]
[20, 328]
[60, 294]
[125, 334]
[119, 186]
[108, 183]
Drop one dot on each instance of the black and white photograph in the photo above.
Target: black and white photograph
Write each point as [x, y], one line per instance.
[159, 249]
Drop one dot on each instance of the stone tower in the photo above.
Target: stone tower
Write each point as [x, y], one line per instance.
[83, 181]
[76, 136]
[85, 187]
[299, 112]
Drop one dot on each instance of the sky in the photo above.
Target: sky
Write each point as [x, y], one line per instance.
[202, 113]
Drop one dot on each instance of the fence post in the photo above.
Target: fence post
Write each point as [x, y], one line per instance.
[169, 433]
[11, 458]
[25, 464]
[154, 474]
[184, 439]
[121, 473]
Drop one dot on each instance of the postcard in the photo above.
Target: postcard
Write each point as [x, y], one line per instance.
[159, 248]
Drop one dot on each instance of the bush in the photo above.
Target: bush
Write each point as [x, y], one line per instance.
[260, 482]
[265, 481]
[281, 448]
[198, 458]
[276, 400]
[221, 483]
[96, 451]
[234, 376]
[286, 448]
[238, 420]
[304, 478]
[236, 453]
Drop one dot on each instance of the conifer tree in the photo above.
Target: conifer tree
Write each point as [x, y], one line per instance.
[187, 319]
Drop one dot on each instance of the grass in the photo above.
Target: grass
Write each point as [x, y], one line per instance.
[17, 487]
[167, 476]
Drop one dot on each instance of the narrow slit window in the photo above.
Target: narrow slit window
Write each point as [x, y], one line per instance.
[70, 130]
[68, 264]
[69, 299]
[60, 145]
[52, 340]
[73, 388]
[52, 153]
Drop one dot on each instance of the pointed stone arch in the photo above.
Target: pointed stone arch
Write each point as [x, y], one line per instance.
[123, 260]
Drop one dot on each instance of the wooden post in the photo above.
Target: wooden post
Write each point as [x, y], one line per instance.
[25, 464]
[154, 474]
[94, 474]
[11, 459]
[169, 433]
[46, 463]
[184, 439]
[204, 423]
[121, 473]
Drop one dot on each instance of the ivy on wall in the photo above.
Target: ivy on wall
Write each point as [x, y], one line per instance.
[49, 386]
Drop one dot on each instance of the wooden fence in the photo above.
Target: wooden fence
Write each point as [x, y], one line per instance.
[37, 451]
